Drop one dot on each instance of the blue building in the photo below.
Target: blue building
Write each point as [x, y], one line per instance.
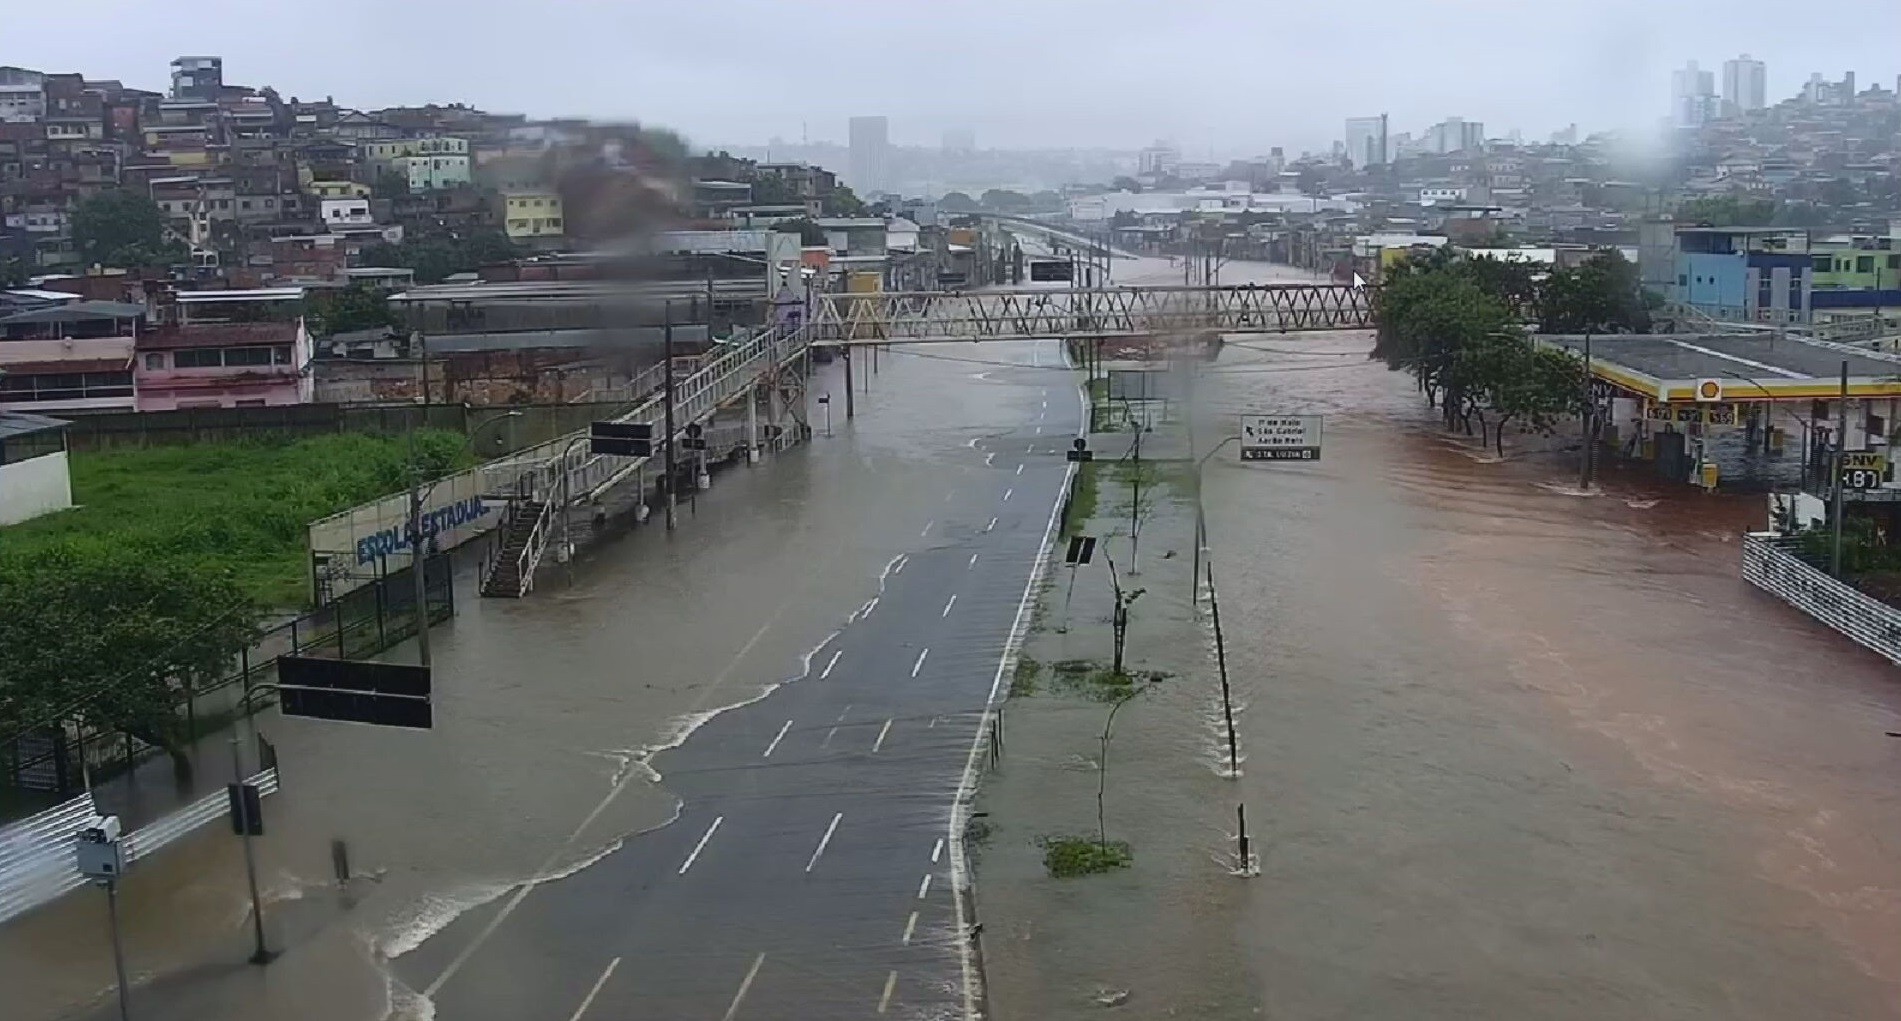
[1744, 274]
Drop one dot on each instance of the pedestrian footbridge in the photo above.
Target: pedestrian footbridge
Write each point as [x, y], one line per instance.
[1039, 313]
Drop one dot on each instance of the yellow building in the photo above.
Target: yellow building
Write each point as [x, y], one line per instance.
[533, 214]
[337, 190]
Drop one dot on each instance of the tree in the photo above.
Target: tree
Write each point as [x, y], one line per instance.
[1005, 201]
[13, 272]
[355, 307]
[958, 202]
[844, 202]
[1128, 184]
[1604, 294]
[113, 638]
[1536, 386]
[810, 234]
[122, 228]
[434, 258]
[1726, 211]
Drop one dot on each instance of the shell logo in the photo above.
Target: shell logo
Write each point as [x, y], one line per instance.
[1709, 390]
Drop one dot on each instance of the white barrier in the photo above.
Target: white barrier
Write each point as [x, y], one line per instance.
[1867, 620]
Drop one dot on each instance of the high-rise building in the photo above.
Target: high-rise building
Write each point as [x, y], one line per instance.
[1745, 85]
[1366, 141]
[198, 79]
[1692, 96]
[1455, 134]
[1160, 159]
[870, 139]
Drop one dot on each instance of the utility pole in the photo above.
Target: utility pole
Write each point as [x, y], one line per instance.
[118, 949]
[260, 954]
[673, 475]
[1135, 501]
[851, 405]
[418, 561]
[1590, 413]
[1836, 504]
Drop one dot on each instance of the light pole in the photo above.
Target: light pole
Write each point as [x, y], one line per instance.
[418, 561]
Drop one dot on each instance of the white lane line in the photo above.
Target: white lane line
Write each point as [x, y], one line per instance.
[829, 664]
[1007, 493]
[919, 665]
[910, 926]
[973, 562]
[780, 736]
[1039, 431]
[701, 846]
[751, 973]
[924, 887]
[947, 606]
[991, 525]
[826, 839]
[927, 528]
[882, 731]
[588, 1000]
[937, 849]
[890, 983]
[865, 610]
[903, 559]
[834, 731]
[1019, 468]
[931, 724]
[1046, 404]
[947, 496]
[1031, 449]
[992, 456]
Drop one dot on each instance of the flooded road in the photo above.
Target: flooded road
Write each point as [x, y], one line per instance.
[1521, 753]
[555, 713]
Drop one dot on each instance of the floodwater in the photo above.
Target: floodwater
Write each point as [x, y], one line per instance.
[1510, 752]
[1515, 752]
[549, 711]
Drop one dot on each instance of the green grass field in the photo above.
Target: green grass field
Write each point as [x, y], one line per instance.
[239, 506]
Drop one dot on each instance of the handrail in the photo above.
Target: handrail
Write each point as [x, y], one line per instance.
[530, 556]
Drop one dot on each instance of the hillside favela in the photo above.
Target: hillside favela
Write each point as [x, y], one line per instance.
[988, 513]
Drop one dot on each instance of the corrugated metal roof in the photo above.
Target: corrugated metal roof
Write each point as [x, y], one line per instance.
[259, 294]
[19, 423]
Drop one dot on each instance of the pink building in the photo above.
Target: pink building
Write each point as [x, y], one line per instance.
[227, 349]
[68, 355]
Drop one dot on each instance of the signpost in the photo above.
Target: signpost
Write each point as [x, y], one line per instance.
[625, 439]
[355, 691]
[1280, 437]
[1863, 469]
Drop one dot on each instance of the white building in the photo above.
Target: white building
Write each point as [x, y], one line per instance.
[34, 479]
[1692, 96]
[1367, 144]
[1745, 85]
[1455, 134]
[22, 95]
[870, 139]
[341, 213]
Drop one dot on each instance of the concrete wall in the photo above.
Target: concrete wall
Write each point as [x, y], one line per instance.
[36, 486]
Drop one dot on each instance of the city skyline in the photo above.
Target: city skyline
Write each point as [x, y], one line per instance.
[1602, 66]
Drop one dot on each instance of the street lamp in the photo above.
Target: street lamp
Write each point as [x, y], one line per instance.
[417, 561]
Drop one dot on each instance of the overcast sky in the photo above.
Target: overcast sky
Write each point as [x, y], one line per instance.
[1233, 75]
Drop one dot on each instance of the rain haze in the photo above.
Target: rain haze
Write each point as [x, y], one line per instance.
[1235, 76]
[859, 510]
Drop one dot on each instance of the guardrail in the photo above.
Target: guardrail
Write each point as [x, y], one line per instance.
[36, 854]
[1768, 565]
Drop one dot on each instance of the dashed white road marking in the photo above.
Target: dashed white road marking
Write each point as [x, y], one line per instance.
[1008, 492]
[1031, 449]
[910, 926]
[829, 664]
[919, 665]
[751, 973]
[924, 888]
[992, 456]
[903, 559]
[1019, 468]
[973, 562]
[937, 849]
[701, 846]
[882, 731]
[1039, 431]
[947, 496]
[948, 604]
[834, 731]
[991, 525]
[826, 839]
[927, 528]
[588, 1000]
[776, 738]
[890, 983]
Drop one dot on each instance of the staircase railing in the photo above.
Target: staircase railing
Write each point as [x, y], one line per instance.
[530, 556]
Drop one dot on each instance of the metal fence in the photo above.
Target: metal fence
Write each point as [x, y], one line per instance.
[36, 853]
[1770, 564]
[355, 625]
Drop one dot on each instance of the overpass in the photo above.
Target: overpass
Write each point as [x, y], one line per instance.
[1036, 313]
[1068, 237]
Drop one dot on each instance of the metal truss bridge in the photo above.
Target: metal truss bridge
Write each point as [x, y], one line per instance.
[1038, 313]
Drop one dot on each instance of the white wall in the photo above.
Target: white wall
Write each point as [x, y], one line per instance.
[36, 486]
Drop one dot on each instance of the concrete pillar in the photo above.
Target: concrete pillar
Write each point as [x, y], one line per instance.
[752, 425]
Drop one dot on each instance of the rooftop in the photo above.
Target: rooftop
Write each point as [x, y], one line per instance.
[75, 311]
[1749, 366]
[259, 294]
[19, 423]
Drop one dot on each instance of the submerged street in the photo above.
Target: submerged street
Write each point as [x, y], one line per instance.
[1510, 751]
